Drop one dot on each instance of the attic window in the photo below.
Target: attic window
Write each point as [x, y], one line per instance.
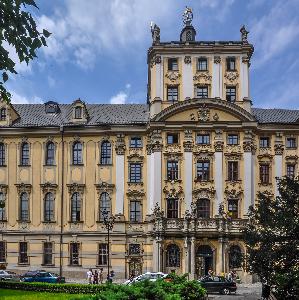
[51, 107]
[3, 114]
[78, 112]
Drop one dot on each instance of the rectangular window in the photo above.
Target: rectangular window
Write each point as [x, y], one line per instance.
[172, 170]
[231, 64]
[135, 172]
[203, 139]
[23, 255]
[74, 254]
[172, 208]
[202, 64]
[203, 170]
[264, 142]
[232, 171]
[172, 93]
[48, 253]
[233, 208]
[103, 255]
[232, 139]
[136, 142]
[173, 64]
[135, 211]
[134, 249]
[264, 174]
[2, 251]
[290, 170]
[78, 112]
[172, 138]
[202, 91]
[291, 142]
[231, 93]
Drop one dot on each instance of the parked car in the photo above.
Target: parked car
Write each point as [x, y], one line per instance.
[42, 276]
[146, 276]
[218, 284]
[8, 275]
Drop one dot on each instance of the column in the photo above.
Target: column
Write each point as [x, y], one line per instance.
[248, 161]
[188, 171]
[187, 78]
[186, 255]
[278, 148]
[192, 258]
[155, 255]
[244, 78]
[218, 175]
[120, 174]
[217, 78]
[149, 198]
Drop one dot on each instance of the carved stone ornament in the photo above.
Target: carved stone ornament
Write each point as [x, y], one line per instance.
[49, 187]
[188, 146]
[233, 192]
[187, 59]
[157, 146]
[205, 76]
[3, 188]
[135, 194]
[173, 75]
[244, 34]
[173, 192]
[104, 187]
[149, 149]
[172, 149]
[24, 188]
[216, 117]
[207, 193]
[203, 114]
[135, 155]
[217, 59]
[245, 60]
[218, 146]
[248, 146]
[231, 76]
[120, 146]
[75, 188]
[155, 29]
[278, 149]
[156, 60]
[157, 212]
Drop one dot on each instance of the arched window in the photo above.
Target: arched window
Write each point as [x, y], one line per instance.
[105, 205]
[203, 208]
[2, 207]
[75, 208]
[2, 154]
[25, 154]
[50, 154]
[3, 114]
[77, 153]
[106, 153]
[172, 208]
[49, 207]
[78, 112]
[173, 258]
[24, 207]
[235, 257]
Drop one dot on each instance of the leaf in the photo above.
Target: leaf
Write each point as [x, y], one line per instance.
[46, 33]
[5, 76]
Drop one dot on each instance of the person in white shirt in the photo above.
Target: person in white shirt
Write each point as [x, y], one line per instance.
[89, 275]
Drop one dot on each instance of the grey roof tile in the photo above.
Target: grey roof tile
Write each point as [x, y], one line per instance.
[276, 115]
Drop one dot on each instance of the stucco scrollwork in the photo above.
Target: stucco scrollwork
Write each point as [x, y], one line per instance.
[248, 146]
[187, 59]
[173, 191]
[135, 154]
[76, 188]
[202, 76]
[292, 158]
[104, 187]
[23, 188]
[231, 76]
[172, 149]
[3, 188]
[278, 149]
[157, 212]
[156, 140]
[218, 146]
[188, 146]
[156, 59]
[233, 190]
[134, 193]
[173, 75]
[217, 59]
[207, 193]
[48, 187]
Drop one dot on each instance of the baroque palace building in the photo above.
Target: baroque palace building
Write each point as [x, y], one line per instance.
[179, 173]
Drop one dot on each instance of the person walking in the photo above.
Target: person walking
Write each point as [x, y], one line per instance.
[89, 275]
[95, 277]
[100, 275]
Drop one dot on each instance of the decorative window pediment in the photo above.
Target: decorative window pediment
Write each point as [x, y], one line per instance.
[79, 113]
[76, 188]
[49, 187]
[23, 188]
[104, 187]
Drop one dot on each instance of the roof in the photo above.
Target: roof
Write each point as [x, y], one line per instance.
[35, 115]
[32, 115]
[276, 115]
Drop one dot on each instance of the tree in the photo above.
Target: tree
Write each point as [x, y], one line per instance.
[272, 238]
[19, 30]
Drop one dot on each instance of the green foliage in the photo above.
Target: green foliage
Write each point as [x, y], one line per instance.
[178, 288]
[272, 237]
[19, 30]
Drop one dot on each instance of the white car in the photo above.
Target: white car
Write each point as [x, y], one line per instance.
[146, 276]
[8, 275]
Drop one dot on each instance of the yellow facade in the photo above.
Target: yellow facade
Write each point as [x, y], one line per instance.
[199, 164]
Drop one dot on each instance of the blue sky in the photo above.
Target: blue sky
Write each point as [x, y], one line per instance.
[97, 50]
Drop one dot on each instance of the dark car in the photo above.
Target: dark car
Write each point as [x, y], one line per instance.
[37, 276]
[218, 284]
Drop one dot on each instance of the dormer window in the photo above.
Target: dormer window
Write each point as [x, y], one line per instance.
[51, 107]
[3, 114]
[78, 112]
[173, 64]
[202, 64]
[231, 64]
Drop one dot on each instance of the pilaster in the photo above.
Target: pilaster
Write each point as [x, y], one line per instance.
[278, 149]
[188, 167]
[120, 174]
[187, 78]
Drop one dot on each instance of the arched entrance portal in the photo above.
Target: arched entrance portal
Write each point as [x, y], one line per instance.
[204, 260]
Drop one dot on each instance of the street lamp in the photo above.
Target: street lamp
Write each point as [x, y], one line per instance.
[108, 220]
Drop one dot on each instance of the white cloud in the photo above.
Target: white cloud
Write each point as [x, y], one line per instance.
[20, 99]
[120, 98]
[275, 31]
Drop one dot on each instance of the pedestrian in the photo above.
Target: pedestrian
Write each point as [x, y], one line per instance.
[95, 277]
[230, 276]
[210, 272]
[89, 275]
[101, 276]
[112, 274]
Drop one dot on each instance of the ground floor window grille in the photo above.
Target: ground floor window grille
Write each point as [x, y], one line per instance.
[103, 255]
[74, 254]
[173, 256]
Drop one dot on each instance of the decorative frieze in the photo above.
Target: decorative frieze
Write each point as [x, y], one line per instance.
[173, 191]
[104, 187]
[231, 76]
[76, 188]
[173, 75]
[278, 149]
[49, 187]
[187, 59]
[23, 188]
[205, 77]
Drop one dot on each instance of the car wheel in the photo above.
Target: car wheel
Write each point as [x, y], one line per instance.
[225, 291]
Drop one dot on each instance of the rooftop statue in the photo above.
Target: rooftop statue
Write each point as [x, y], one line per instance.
[244, 34]
[155, 29]
[187, 16]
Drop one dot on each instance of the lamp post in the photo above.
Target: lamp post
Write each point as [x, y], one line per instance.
[108, 220]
